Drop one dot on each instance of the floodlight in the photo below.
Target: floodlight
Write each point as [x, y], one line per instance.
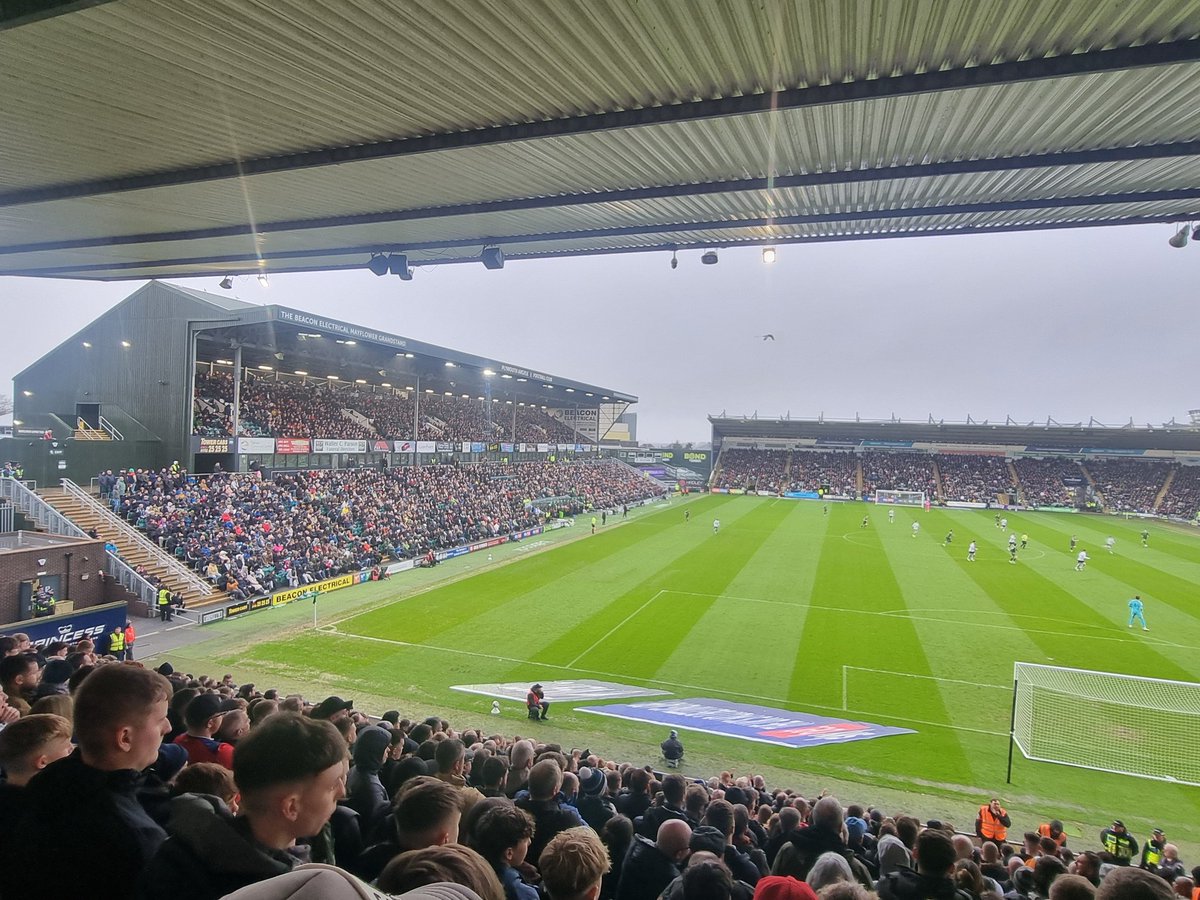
[674, 260]
[709, 258]
[378, 264]
[226, 283]
[1179, 239]
[492, 257]
[1196, 233]
[398, 264]
[768, 255]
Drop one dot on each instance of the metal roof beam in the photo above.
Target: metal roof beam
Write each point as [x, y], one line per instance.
[14, 13]
[950, 209]
[78, 275]
[1097, 61]
[1097, 156]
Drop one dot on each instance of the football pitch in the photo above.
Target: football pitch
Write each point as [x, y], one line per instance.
[788, 607]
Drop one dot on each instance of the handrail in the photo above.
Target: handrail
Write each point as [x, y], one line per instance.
[177, 568]
[46, 516]
[111, 429]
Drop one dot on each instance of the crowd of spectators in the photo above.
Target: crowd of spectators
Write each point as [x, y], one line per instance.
[974, 479]
[1043, 481]
[1128, 485]
[250, 535]
[753, 470]
[898, 471]
[161, 784]
[1182, 500]
[270, 407]
[824, 470]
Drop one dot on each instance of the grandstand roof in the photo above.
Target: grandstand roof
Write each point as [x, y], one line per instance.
[1051, 438]
[162, 138]
[285, 338]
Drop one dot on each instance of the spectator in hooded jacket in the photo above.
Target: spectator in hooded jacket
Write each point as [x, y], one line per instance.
[291, 772]
[365, 793]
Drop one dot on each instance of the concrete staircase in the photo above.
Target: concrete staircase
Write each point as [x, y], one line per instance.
[1012, 474]
[1096, 492]
[133, 547]
[1162, 491]
[937, 481]
[858, 476]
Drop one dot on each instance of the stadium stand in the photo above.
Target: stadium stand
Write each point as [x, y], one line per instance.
[826, 471]
[250, 536]
[973, 479]
[269, 407]
[437, 797]
[898, 472]
[1182, 499]
[1043, 482]
[753, 470]
[1127, 485]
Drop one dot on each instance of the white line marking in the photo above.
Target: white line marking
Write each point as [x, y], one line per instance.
[673, 684]
[614, 629]
[184, 625]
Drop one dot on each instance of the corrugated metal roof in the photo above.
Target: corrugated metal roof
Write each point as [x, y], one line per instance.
[160, 87]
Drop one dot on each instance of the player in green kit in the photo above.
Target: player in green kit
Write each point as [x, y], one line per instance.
[1145, 537]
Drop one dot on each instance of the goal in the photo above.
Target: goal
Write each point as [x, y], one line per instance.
[901, 498]
[1126, 724]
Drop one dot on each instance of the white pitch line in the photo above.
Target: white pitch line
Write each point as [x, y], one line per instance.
[614, 629]
[906, 613]
[661, 683]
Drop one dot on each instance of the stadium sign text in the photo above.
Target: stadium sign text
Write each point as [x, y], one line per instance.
[295, 317]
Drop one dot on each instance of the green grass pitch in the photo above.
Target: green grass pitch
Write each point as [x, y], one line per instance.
[793, 608]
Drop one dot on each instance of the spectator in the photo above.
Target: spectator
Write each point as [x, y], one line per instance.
[1129, 883]
[594, 806]
[502, 837]
[573, 864]
[824, 835]
[672, 750]
[425, 813]
[651, 865]
[448, 863]
[19, 677]
[203, 717]
[935, 858]
[549, 816]
[674, 788]
[451, 759]
[27, 746]
[291, 772]
[207, 778]
[84, 808]
[716, 836]
[365, 793]
[1072, 887]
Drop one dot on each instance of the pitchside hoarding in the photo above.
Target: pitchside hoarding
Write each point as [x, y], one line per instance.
[92, 623]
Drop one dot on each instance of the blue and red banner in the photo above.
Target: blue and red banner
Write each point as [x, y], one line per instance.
[750, 723]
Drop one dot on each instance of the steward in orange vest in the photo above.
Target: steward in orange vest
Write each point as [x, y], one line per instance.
[992, 823]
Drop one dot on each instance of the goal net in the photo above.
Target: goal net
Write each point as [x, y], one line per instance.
[1145, 727]
[901, 498]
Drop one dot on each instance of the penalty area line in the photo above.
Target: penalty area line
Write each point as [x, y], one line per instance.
[617, 676]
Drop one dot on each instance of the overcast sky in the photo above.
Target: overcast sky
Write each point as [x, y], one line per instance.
[1090, 322]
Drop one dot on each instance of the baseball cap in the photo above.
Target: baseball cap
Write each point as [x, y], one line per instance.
[1117, 823]
[204, 706]
[329, 706]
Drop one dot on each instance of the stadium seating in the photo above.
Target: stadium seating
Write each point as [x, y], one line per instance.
[292, 408]
[405, 775]
[761, 470]
[827, 471]
[1128, 485]
[1043, 480]
[898, 472]
[973, 479]
[1182, 500]
[251, 536]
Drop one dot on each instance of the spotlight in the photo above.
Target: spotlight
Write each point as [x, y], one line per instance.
[1196, 233]
[492, 257]
[769, 255]
[709, 258]
[674, 260]
[262, 279]
[378, 264]
[398, 265]
[1179, 238]
[226, 283]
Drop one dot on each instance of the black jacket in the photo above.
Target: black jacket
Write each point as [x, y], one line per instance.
[653, 818]
[905, 884]
[596, 810]
[209, 854]
[82, 826]
[549, 818]
[797, 855]
[645, 872]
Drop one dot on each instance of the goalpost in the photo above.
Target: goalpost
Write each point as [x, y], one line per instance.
[901, 498]
[1125, 724]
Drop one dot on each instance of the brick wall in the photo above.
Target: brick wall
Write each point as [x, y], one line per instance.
[86, 589]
